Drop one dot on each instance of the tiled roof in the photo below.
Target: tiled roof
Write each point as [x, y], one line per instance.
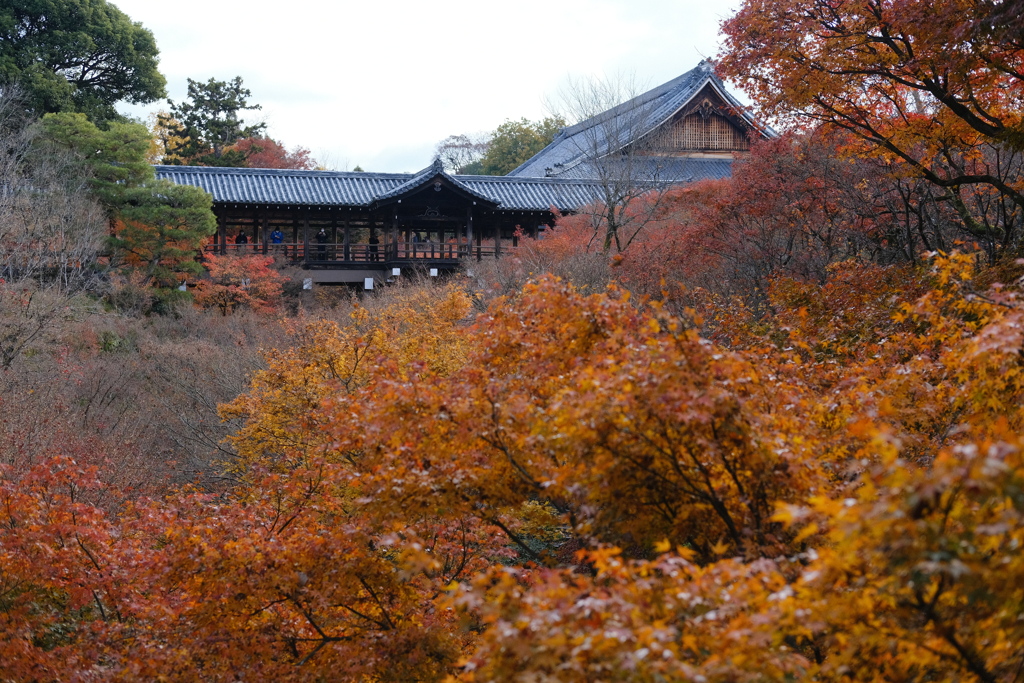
[616, 128]
[527, 194]
[655, 170]
[333, 188]
[426, 176]
[273, 186]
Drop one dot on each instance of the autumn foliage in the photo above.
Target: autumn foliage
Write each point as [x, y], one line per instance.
[778, 436]
[576, 487]
[933, 88]
[239, 282]
[265, 152]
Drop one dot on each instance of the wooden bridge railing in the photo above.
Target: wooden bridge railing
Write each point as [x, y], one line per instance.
[364, 253]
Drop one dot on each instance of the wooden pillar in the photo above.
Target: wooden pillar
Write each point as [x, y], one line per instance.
[479, 236]
[305, 235]
[497, 238]
[264, 233]
[295, 234]
[348, 248]
[394, 236]
[334, 239]
[469, 230]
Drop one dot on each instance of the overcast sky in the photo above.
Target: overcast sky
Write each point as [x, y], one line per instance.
[378, 84]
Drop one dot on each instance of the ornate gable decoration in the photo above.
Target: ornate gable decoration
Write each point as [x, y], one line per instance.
[706, 125]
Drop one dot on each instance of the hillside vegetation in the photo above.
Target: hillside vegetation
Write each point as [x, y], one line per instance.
[778, 435]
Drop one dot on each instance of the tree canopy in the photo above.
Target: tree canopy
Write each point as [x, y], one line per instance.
[265, 152]
[462, 154]
[77, 56]
[156, 225]
[936, 87]
[513, 142]
[202, 130]
[573, 483]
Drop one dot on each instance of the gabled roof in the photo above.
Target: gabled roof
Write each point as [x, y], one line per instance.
[268, 187]
[427, 177]
[625, 124]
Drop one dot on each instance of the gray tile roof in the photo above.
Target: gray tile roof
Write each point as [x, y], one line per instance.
[616, 128]
[656, 170]
[273, 186]
[426, 176]
[333, 188]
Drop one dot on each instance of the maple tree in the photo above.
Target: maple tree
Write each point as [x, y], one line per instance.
[573, 487]
[934, 86]
[239, 282]
[264, 152]
[283, 413]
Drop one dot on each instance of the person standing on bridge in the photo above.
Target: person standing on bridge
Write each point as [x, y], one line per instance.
[321, 241]
[374, 249]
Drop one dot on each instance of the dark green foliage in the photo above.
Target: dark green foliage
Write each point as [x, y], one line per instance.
[516, 141]
[156, 226]
[473, 168]
[77, 55]
[206, 125]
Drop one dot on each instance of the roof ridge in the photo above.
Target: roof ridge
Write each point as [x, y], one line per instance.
[526, 179]
[435, 169]
[643, 98]
[237, 170]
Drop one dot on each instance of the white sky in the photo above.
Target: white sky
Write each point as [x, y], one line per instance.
[379, 84]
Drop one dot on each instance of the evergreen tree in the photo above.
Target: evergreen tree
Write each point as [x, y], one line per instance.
[156, 226]
[206, 125]
[77, 56]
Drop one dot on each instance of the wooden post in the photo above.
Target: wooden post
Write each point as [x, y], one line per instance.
[264, 224]
[305, 236]
[394, 236]
[222, 236]
[469, 230]
[497, 240]
[334, 238]
[348, 248]
[479, 236]
[295, 236]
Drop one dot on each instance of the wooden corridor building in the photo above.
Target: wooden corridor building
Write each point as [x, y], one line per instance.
[348, 226]
[374, 222]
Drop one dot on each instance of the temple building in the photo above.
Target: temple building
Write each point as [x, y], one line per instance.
[357, 227]
[685, 130]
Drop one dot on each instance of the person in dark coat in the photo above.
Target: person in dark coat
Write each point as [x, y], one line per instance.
[374, 249]
[241, 238]
[321, 241]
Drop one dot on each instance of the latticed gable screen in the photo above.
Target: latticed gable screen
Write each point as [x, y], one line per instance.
[708, 132]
